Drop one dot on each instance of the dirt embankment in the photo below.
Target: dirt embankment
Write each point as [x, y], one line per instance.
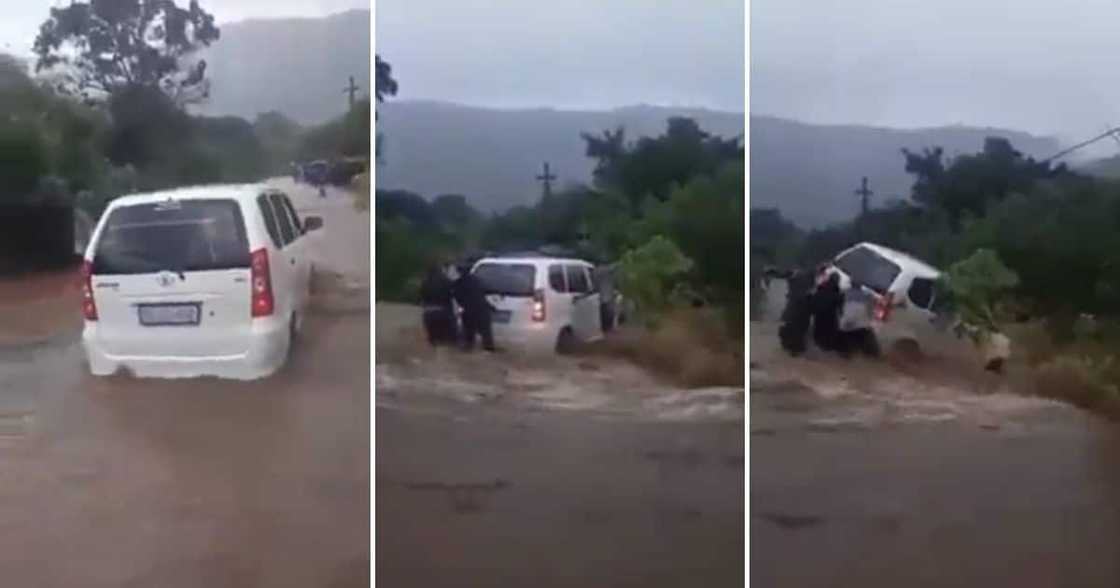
[38, 307]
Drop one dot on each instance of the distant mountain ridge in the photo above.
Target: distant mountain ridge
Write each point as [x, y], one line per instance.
[493, 156]
[298, 66]
[810, 172]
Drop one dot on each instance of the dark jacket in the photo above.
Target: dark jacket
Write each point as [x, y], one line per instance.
[435, 291]
[827, 303]
[469, 294]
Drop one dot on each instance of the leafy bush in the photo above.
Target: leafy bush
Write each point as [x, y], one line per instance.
[975, 287]
[648, 275]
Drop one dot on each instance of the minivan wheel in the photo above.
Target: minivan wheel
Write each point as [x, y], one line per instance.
[566, 341]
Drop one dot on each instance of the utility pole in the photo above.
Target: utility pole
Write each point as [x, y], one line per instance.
[865, 194]
[546, 182]
[352, 90]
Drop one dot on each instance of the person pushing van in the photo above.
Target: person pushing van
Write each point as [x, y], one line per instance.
[469, 294]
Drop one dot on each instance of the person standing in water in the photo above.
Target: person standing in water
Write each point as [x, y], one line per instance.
[798, 312]
[827, 303]
[469, 294]
[439, 314]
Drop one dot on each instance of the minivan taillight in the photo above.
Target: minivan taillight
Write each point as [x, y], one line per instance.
[883, 307]
[89, 308]
[538, 306]
[261, 279]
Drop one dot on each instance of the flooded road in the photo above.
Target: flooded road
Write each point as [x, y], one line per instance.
[868, 474]
[122, 482]
[501, 470]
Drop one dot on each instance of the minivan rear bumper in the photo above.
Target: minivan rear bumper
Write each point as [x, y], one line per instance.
[534, 338]
[266, 353]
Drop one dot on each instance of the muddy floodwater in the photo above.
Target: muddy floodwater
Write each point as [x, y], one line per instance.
[124, 482]
[505, 470]
[884, 474]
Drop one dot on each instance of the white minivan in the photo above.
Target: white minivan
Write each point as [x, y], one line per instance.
[208, 281]
[903, 288]
[541, 303]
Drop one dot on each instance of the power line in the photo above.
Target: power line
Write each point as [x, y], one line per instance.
[1109, 133]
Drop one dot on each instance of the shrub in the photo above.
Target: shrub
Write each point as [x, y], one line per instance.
[974, 287]
[649, 274]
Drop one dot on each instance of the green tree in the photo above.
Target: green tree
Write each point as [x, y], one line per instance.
[346, 136]
[707, 223]
[1063, 239]
[516, 228]
[23, 157]
[652, 166]
[384, 85]
[967, 184]
[144, 120]
[355, 131]
[102, 46]
[454, 210]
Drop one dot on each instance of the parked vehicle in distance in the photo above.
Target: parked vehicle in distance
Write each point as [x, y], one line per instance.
[902, 289]
[541, 303]
[316, 173]
[207, 281]
[342, 172]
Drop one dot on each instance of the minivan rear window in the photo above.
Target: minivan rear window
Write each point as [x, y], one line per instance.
[921, 292]
[508, 279]
[187, 235]
[868, 268]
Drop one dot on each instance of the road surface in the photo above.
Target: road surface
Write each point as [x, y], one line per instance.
[120, 482]
[878, 475]
[501, 470]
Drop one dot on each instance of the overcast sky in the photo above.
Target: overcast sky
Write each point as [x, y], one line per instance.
[1045, 67]
[20, 19]
[566, 53]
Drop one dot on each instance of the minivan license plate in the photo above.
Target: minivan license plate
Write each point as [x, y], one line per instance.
[501, 316]
[152, 315]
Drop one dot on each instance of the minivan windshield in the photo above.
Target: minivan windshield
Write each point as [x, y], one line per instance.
[507, 279]
[864, 266]
[178, 236]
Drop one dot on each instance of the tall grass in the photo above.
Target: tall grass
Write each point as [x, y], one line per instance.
[690, 347]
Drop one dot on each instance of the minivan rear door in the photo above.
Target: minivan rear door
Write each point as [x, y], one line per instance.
[172, 279]
[509, 287]
[299, 249]
[585, 302]
[864, 267]
[288, 269]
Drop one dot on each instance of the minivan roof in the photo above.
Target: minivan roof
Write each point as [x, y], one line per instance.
[243, 192]
[533, 259]
[907, 262]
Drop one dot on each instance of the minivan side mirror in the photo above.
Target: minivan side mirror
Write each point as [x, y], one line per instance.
[312, 223]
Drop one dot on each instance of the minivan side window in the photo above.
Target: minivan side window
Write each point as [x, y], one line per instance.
[921, 293]
[270, 221]
[556, 279]
[295, 217]
[286, 230]
[577, 280]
